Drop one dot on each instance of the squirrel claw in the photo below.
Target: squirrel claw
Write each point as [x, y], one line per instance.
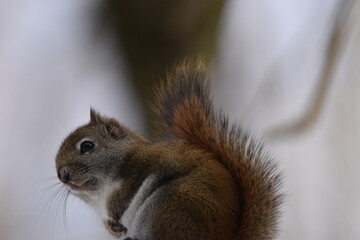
[115, 227]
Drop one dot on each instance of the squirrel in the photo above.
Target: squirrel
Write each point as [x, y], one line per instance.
[209, 180]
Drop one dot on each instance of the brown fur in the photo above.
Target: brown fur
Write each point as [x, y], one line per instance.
[190, 116]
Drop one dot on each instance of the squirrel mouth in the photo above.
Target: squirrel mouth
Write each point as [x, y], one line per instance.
[84, 186]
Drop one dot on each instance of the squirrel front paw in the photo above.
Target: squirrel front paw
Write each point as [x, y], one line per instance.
[115, 227]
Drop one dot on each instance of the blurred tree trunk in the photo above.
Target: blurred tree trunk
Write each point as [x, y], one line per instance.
[156, 34]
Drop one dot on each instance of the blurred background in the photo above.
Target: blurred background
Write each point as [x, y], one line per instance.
[287, 70]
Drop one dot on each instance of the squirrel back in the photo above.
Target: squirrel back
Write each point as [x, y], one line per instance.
[185, 105]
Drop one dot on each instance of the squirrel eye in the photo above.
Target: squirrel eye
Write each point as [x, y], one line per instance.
[86, 147]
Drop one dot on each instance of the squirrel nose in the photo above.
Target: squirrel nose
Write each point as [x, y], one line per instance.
[64, 174]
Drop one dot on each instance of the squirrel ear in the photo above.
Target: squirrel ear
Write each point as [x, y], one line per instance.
[108, 126]
[95, 117]
[114, 129]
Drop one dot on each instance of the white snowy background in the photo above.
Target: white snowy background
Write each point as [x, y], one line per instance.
[53, 67]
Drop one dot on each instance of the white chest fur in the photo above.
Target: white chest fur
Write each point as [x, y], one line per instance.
[99, 200]
[134, 214]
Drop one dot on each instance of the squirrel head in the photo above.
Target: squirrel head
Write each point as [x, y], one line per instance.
[90, 156]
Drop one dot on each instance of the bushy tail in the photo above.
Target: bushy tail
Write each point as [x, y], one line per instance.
[186, 107]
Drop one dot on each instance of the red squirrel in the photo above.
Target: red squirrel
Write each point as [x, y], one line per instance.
[209, 180]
